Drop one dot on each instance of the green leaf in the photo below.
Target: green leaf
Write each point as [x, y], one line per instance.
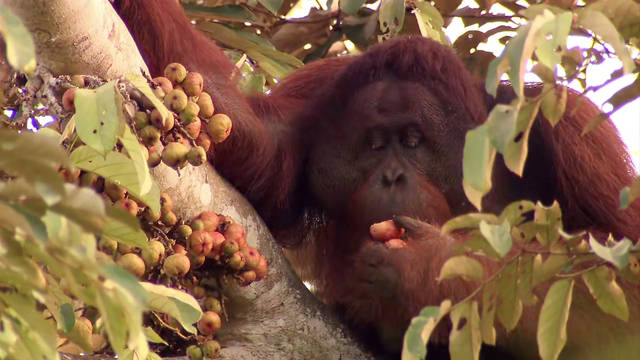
[553, 39]
[36, 158]
[618, 254]
[127, 281]
[548, 221]
[545, 270]
[350, 6]
[430, 22]
[68, 317]
[134, 149]
[178, 304]
[554, 103]
[19, 45]
[499, 236]
[515, 212]
[414, 345]
[141, 83]
[477, 163]
[391, 18]
[153, 336]
[598, 23]
[552, 323]
[467, 221]
[488, 314]
[630, 193]
[464, 266]
[510, 306]
[465, 339]
[501, 125]
[517, 149]
[124, 227]
[82, 206]
[98, 116]
[602, 285]
[119, 169]
[272, 5]
[525, 283]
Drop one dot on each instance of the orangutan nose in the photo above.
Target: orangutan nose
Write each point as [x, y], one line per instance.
[393, 176]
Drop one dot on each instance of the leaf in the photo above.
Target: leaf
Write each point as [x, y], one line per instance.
[414, 345]
[517, 149]
[501, 125]
[626, 95]
[618, 254]
[430, 22]
[499, 236]
[117, 168]
[134, 149]
[602, 285]
[525, 281]
[463, 266]
[515, 212]
[124, 228]
[470, 220]
[19, 45]
[68, 317]
[477, 163]
[488, 314]
[36, 158]
[551, 43]
[391, 18]
[224, 12]
[552, 323]
[465, 339]
[141, 83]
[624, 14]
[127, 281]
[510, 307]
[98, 116]
[153, 336]
[630, 193]
[350, 6]
[272, 5]
[82, 206]
[554, 103]
[543, 271]
[178, 304]
[598, 23]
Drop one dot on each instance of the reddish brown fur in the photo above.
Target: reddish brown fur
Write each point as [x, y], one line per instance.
[268, 154]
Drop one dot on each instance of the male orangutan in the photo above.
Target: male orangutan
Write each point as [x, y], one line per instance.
[345, 142]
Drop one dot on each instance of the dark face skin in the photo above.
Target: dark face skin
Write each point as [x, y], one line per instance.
[390, 153]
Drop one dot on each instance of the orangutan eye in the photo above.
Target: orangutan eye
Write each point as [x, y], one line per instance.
[412, 139]
[376, 141]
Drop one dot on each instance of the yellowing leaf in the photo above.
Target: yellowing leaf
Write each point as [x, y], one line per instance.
[552, 322]
[602, 285]
[463, 266]
[465, 339]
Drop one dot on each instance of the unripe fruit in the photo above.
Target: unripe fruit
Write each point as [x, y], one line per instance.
[219, 127]
[194, 352]
[198, 292]
[114, 191]
[176, 265]
[395, 244]
[206, 105]
[262, 268]
[236, 261]
[385, 230]
[163, 123]
[175, 72]
[184, 231]
[210, 220]
[193, 83]
[98, 342]
[132, 263]
[164, 83]
[142, 120]
[89, 179]
[169, 218]
[209, 323]
[197, 224]
[175, 155]
[68, 99]
[176, 100]
[212, 304]
[230, 246]
[251, 257]
[155, 157]
[196, 260]
[193, 128]
[247, 277]
[196, 156]
[159, 93]
[108, 245]
[125, 248]
[153, 254]
[78, 80]
[179, 249]
[190, 112]
[128, 205]
[150, 135]
[150, 216]
[81, 332]
[211, 349]
[166, 202]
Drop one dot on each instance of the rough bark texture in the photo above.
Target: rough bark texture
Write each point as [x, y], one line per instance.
[276, 318]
